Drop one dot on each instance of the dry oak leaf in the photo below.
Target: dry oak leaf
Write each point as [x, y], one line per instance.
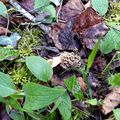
[90, 26]
[111, 100]
[82, 83]
[61, 32]
[63, 36]
[71, 9]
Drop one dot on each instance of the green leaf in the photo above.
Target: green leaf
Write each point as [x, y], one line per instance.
[111, 41]
[65, 106]
[6, 86]
[100, 6]
[41, 3]
[117, 113]
[114, 25]
[93, 55]
[3, 10]
[38, 116]
[8, 53]
[39, 67]
[38, 96]
[14, 114]
[2, 100]
[50, 9]
[74, 87]
[92, 102]
[114, 80]
[14, 103]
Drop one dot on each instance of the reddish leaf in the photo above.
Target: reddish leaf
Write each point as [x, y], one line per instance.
[99, 63]
[82, 83]
[90, 26]
[62, 33]
[4, 30]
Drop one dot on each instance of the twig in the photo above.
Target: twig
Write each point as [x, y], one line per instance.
[8, 22]
[59, 9]
[46, 29]
[22, 11]
[109, 63]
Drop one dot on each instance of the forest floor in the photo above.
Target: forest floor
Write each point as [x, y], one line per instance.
[60, 60]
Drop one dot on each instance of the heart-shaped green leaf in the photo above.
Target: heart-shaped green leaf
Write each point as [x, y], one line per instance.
[39, 67]
[38, 96]
[6, 86]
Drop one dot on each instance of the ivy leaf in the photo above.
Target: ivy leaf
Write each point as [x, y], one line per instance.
[3, 10]
[100, 6]
[39, 67]
[65, 106]
[7, 88]
[50, 9]
[41, 3]
[111, 41]
[117, 113]
[74, 87]
[38, 96]
[114, 80]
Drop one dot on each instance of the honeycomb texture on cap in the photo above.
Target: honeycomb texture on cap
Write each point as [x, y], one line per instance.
[70, 60]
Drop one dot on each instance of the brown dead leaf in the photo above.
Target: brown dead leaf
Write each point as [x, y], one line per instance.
[71, 9]
[62, 33]
[82, 83]
[4, 1]
[63, 36]
[4, 30]
[28, 5]
[3, 21]
[99, 63]
[90, 26]
[111, 100]
[3, 113]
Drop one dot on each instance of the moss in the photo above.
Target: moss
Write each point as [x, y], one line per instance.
[30, 39]
[21, 75]
[114, 12]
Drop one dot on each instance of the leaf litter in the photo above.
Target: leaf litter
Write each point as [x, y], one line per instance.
[69, 34]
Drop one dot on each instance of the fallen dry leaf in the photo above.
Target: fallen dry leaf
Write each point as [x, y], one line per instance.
[111, 100]
[62, 33]
[63, 36]
[71, 9]
[28, 5]
[4, 30]
[90, 26]
[3, 21]
[99, 63]
[82, 83]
